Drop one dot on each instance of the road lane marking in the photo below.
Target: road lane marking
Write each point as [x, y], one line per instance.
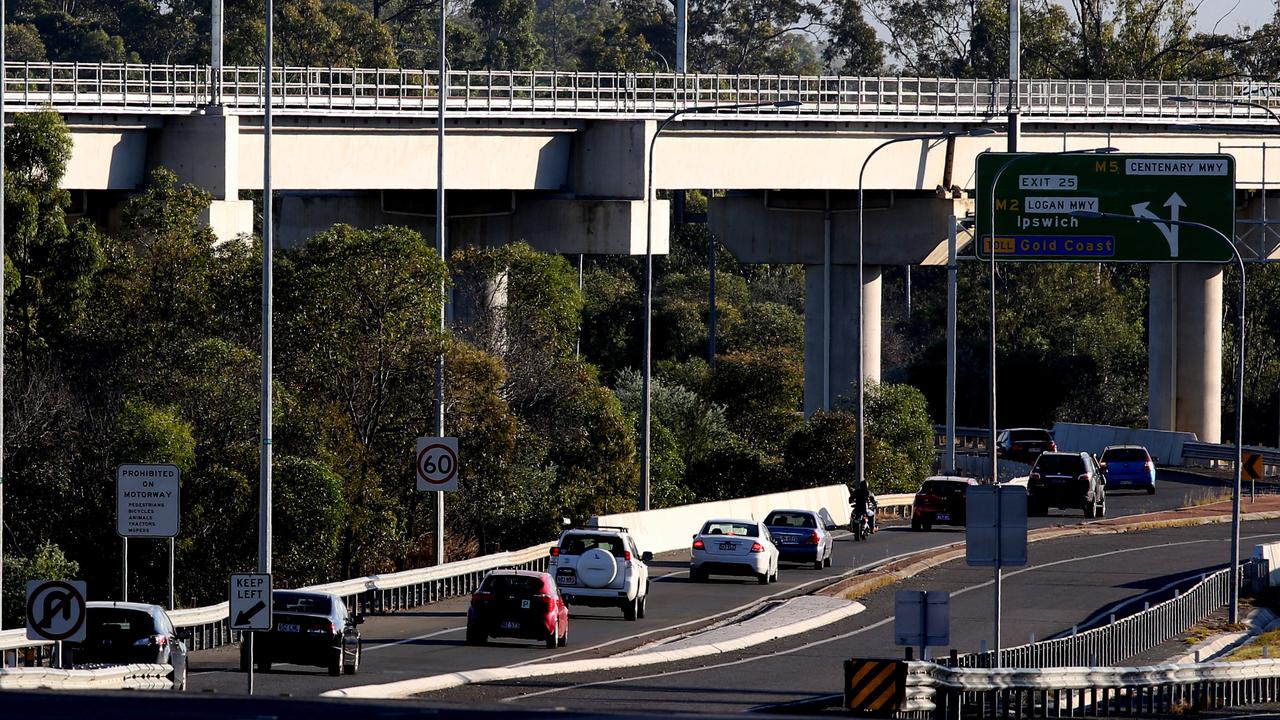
[872, 626]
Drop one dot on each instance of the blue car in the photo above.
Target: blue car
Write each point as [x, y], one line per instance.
[801, 536]
[1129, 466]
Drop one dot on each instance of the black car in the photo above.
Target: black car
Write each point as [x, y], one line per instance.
[1024, 445]
[1067, 480]
[120, 633]
[308, 628]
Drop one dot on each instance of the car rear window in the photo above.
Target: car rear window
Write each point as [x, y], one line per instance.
[578, 544]
[519, 584]
[942, 487]
[1025, 435]
[1060, 465]
[1125, 455]
[300, 603]
[731, 528]
[790, 519]
[118, 623]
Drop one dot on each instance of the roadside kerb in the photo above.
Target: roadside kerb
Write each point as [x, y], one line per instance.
[434, 683]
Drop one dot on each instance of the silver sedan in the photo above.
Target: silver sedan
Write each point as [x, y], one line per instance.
[733, 547]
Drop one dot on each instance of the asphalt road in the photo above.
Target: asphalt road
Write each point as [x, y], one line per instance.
[430, 641]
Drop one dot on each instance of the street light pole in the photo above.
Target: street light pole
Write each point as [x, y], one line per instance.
[441, 226]
[1015, 71]
[265, 456]
[3, 88]
[1234, 610]
[647, 356]
[860, 379]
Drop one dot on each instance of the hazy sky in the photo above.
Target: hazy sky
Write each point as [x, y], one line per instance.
[1230, 14]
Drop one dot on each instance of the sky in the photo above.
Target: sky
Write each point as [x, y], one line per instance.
[1230, 14]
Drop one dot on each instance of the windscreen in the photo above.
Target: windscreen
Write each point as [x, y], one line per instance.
[300, 603]
[943, 488]
[517, 584]
[578, 544]
[724, 527]
[1125, 455]
[1030, 435]
[1060, 465]
[118, 623]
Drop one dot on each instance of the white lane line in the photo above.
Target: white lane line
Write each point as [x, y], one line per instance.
[827, 579]
[861, 630]
[437, 633]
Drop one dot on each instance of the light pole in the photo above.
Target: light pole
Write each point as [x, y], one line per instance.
[645, 365]
[1235, 491]
[860, 379]
[441, 226]
[991, 252]
[3, 88]
[265, 454]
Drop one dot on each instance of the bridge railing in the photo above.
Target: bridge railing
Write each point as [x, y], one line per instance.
[397, 90]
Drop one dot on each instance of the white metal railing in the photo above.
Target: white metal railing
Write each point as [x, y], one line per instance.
[166, 88]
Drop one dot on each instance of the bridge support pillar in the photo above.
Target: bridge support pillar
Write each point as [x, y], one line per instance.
[1184, 377]
[839, 360]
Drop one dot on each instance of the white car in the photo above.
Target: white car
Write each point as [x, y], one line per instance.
[601, 567]
[733, 547]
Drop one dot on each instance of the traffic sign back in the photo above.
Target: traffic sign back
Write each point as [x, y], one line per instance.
[250, 601]
[1036, 195]
[996, 526]
[55, 610]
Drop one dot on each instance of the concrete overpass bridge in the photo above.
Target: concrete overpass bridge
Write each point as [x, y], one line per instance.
[559, 159]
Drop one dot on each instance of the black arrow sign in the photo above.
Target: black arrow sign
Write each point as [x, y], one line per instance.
[244, 616]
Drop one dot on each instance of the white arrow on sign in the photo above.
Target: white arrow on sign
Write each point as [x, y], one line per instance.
[1169, 230]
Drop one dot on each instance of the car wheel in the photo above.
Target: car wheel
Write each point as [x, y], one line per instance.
[916, 525]
[564, 639]
[1151, 490]
[1090, 509]
[774, 577]
[763, 578]
[335, 662]
[697, 576]
[475, 636]
[631, 609]
[353, 667]
[180, 683]
[827, 561]
[818, 564]
[553, 640]
[1102, 506]
[927, 526]
[644, 600]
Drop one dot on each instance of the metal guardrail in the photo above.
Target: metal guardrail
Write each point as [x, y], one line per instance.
[1227, 452]
[1115, 642]
[934, 691]
[93, 86]
[370, 594]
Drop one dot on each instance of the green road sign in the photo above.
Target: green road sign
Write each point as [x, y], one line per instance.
[1036, 195]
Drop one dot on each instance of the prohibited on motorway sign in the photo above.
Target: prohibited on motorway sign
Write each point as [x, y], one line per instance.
[437, 463]
[55, 610]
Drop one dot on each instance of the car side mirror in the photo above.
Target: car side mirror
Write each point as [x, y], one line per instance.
[646, 557]
[183, 633]
[832, 526]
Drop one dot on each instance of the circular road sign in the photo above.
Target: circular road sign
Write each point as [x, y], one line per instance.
[55, 610]
[437, 464]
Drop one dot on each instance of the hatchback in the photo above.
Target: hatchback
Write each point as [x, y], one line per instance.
[120, 633]
[1067, 480]
[940, 501]
[801, 536]
[1129, 466]
[518, 604]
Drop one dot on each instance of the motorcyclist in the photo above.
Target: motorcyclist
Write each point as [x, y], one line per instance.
[864, 505]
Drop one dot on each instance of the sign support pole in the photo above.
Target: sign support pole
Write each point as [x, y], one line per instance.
[171, 606]
[250, 673]
[952, 267]
[995, 646]
[124, 569]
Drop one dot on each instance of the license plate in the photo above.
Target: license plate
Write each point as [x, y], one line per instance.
[1057, 481]
[288, 627]
[728, 546]
[566, 580]
[944, 516]
[509, 625]
[787, 539]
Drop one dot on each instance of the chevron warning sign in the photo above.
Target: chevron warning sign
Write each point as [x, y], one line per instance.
[1253, 466]
[874, 686]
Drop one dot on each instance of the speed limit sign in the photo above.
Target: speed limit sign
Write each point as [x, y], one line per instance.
[437, 463]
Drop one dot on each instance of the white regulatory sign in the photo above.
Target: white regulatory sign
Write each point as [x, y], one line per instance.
[147, 500]
[437, 463]
[55, 610]
[250, 601]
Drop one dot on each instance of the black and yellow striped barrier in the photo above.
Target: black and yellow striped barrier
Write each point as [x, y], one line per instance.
[874, 686]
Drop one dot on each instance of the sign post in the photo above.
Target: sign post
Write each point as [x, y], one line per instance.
[996, 536]
[1035, 198]
[922, 619]
[436, 467]
[147, 506]
[249, 601]
[56, 611]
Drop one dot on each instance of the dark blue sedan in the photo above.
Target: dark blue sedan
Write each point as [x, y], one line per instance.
[801, 536]
[1128, 466]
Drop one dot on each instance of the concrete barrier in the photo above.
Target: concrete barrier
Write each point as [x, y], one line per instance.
[1270, 552]
[1164, 445]
[671, 528]
[115, 677]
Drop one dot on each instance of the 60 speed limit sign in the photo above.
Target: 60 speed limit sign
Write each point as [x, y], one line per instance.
[437, 463]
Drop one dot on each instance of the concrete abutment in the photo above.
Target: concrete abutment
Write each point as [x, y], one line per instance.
[1184, 350]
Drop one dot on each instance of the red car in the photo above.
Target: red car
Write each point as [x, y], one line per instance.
[518, 604]
[940, 501]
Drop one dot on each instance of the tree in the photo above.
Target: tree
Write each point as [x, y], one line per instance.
[309, 510]
[824, 451]
[899, 447]
[48, 562]
[761, 392]
[852, 47]
[145, 433]
[24, 43]
[751, 36]
[506, 28]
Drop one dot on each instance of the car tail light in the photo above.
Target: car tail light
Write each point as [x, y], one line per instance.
[1083, 477]
[152, 641]
[1016, 446]
[481, 596]
[555, 552]
[757, 547]
[626, 555]
[1033, 477]
[1053, 446]
[813, 538]
[1147, 466]
[699, 545]
[543, 598]
[321, 627]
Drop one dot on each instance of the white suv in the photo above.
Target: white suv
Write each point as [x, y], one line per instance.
[601, 567]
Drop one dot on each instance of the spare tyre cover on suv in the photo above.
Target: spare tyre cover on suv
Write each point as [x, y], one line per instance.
[596, 568]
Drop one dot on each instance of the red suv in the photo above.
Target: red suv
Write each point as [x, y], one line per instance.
[518, 604]
[940, 501]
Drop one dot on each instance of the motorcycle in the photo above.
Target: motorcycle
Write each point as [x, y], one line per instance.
[860, 528]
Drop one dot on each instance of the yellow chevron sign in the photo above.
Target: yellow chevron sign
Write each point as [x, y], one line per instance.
[874, 686]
